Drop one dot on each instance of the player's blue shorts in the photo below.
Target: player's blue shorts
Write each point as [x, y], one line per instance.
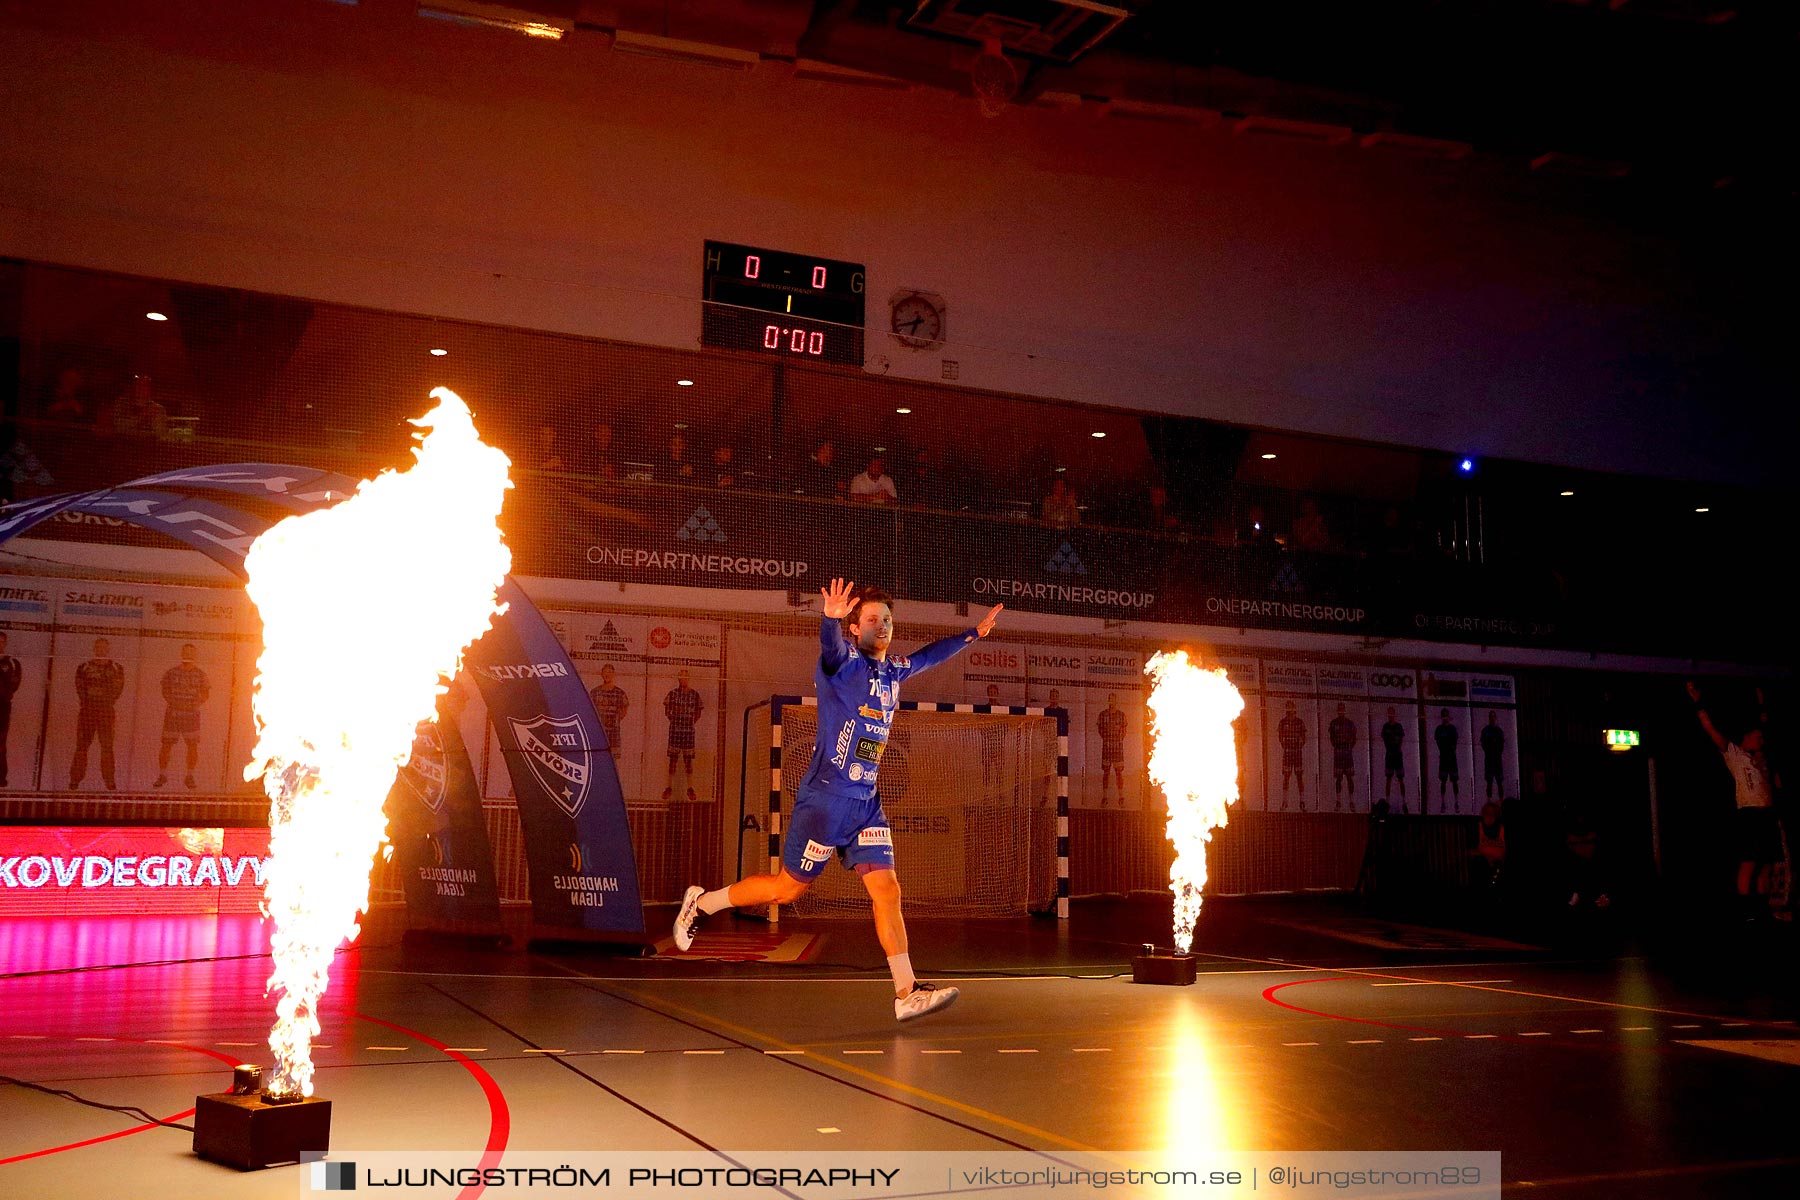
[823, 824]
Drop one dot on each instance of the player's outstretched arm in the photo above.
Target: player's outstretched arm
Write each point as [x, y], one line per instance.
[1718, 739]
[834, 648]
[944, 649]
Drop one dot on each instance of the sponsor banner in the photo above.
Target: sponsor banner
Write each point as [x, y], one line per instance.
[1393, 684]
[664, 535]
[26, 621]
[191, 650]
[1115, 766]
[1246, 676]
[994, 672]
[1395, 746]
[435, 824]
[577, 841]
[609, 651]
[94, 675]
[1074, 571]
[1495, 720]
[682, 710]
[93, 871]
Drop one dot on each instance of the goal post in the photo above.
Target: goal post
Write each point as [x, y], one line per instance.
[977, 796]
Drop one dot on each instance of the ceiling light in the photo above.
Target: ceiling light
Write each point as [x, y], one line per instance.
[1703, 510]
[438, 352]
[1099, 433]
[903, 411]
[681, 424]
[684, 383]
[156, 316]
[1268, 456]
[1565, 493]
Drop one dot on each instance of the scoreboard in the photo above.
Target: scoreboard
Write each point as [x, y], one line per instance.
[780, 304]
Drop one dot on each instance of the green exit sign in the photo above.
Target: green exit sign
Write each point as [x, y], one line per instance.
[1621, 739]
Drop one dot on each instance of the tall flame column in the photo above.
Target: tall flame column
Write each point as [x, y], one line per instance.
[366, 609]
[1194, 760]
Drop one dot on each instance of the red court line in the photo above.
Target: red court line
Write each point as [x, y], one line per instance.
[107, 1137]
[1269, 995]
[499, 1115]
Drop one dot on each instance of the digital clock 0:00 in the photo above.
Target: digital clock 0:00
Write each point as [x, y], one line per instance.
[794, 341]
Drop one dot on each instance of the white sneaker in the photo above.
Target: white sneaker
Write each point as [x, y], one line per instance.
[924, 998]
[688, 917]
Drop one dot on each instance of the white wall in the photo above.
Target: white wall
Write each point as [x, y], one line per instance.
[360, 154]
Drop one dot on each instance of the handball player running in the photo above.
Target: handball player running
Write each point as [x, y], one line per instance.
[838, 808]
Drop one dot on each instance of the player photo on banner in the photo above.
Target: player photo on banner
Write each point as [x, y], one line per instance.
[1291, 725]
[1450, 784]
[681, 722]
[182, 693]
[1246, 676]
[1495, 718]
[993, 673]
[25, 624]
[1113, 728]
[93, 676]
[1054, 678]
[609, 654]
[1344, 763]
[1395, 770]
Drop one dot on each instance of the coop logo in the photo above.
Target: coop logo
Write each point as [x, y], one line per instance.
[660, 638]
[1066, 562]
[334, 1177]
[557, 751]
[701, 526]
[1385, 680]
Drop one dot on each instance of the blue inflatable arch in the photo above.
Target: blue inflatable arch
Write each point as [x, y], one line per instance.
[578, 841]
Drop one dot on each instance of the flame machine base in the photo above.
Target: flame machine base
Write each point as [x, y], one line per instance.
[250, 1133]
[1154, 966]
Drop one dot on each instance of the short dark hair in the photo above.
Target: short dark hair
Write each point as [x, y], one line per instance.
[868, 595]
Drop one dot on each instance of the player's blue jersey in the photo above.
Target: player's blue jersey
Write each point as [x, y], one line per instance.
[857, 699]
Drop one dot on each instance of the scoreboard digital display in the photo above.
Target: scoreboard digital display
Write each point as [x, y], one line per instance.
[780, 304]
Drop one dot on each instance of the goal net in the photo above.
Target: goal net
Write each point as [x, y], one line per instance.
[973, 798]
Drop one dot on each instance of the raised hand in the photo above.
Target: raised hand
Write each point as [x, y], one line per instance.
[986, 625]
[838, 597]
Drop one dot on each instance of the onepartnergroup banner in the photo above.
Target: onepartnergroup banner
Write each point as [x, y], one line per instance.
[905, 1175]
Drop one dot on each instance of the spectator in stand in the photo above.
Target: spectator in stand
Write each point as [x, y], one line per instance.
[925, 484]
[817, 475]
[546, 449]
[136, 412]
[1255, 531]
[724, 471]
[1060, 509]
[1310, 531]
[677, 468]
[1394, 540]
[1158, 516]
[874, 487]
[69, 400]
[596, 457]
